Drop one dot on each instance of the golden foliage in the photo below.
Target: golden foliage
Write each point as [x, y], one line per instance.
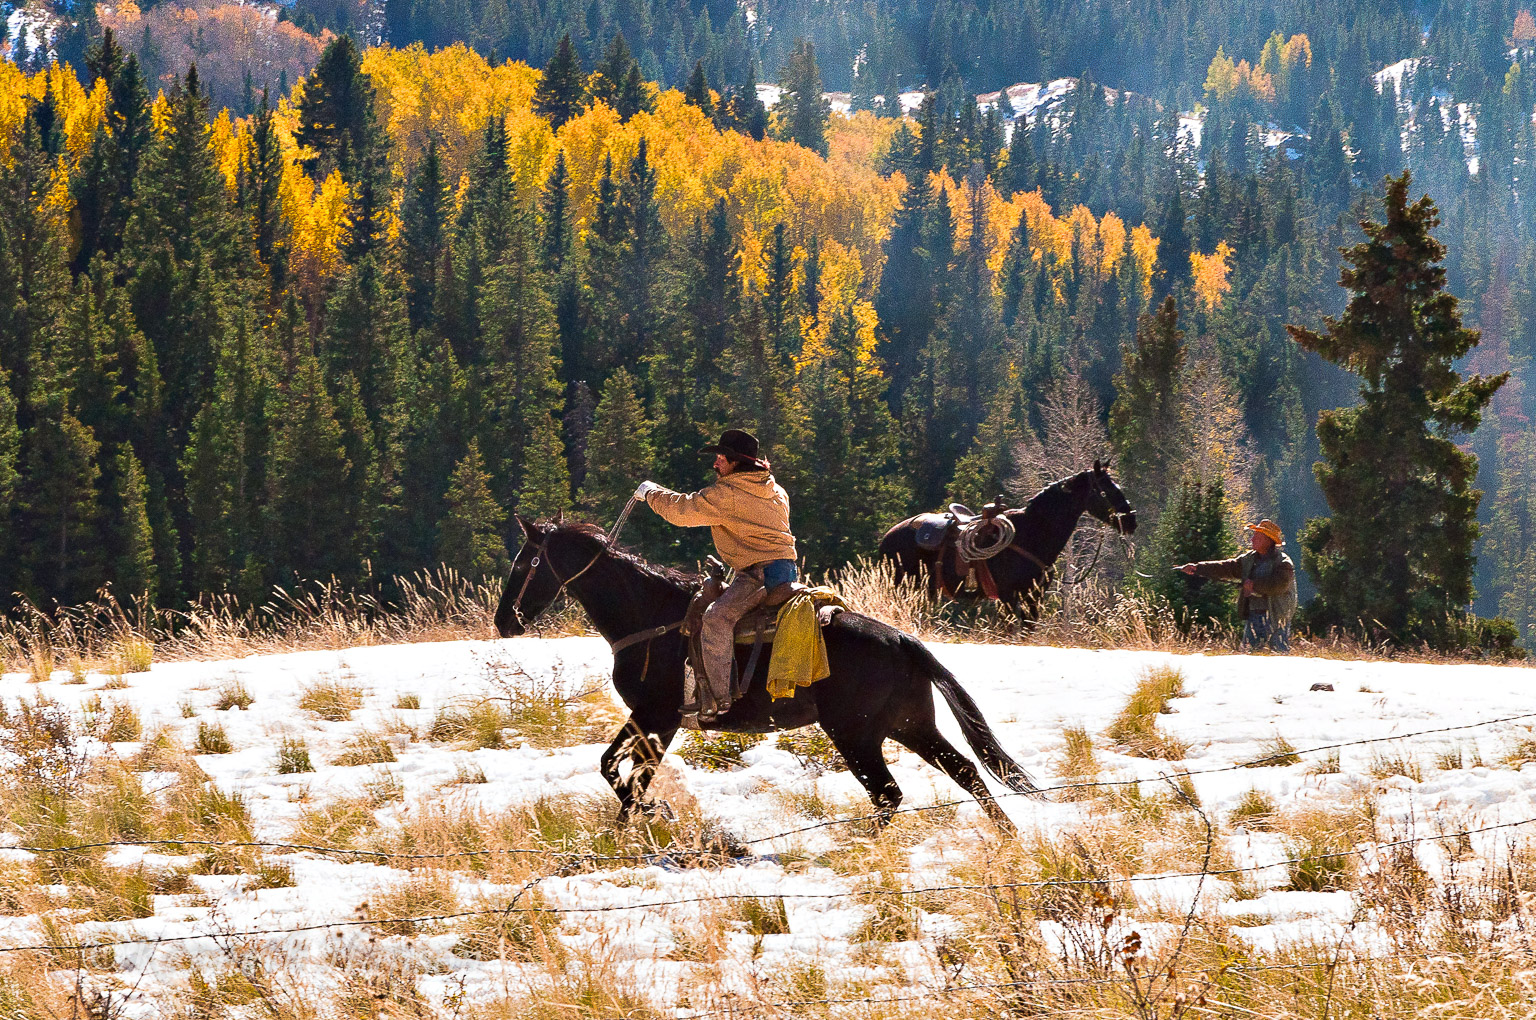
[1524, 31]
[1208, 275]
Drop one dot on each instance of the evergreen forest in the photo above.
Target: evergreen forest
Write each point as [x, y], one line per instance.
[344, 311]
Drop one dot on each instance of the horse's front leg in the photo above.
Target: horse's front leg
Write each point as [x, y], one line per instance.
[643, 751]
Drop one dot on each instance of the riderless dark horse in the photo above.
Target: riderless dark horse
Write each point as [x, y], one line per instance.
[881, 684]
[1023, 570]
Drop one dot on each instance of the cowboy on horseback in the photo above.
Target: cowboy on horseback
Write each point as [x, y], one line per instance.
[747, 513]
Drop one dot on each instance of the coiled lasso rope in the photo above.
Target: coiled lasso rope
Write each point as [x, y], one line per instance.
[969, 540]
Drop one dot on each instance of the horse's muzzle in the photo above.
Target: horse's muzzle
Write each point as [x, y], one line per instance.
[509, 626]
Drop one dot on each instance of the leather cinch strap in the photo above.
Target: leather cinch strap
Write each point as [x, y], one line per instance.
[649, 634]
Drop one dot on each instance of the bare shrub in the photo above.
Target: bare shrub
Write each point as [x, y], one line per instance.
[232, 695]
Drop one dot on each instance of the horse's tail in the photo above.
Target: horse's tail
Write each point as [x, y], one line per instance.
[977, 733]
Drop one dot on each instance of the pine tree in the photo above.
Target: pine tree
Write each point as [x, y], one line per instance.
[132, 537]
[803, 111]
[1019, 171]
[1173, 248]
[259, 183]
[619, 449]
[60, 507]
[1396, 556]
[33, 277]
[1193, 527]
[469, 536]
[555, 205]
[562, 91]
[904, 303]
[847, 480]
[1144, 422]
[697, 92]
[423, 239]
[311, 517]
[336, 116]
[1511, 543]
[546, 483]
[10, 453]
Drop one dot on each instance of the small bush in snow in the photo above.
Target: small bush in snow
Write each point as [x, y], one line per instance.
[1274, 751]
[1135, 728]
[478, 725]
[336, 823]
[293, 757]
[1078, 761]
[504, 931]
[383, 787]
[1398, 763]
[331, 700]
[1327, 765]
[408, 702]
[211, 739]
[365, 749]
[467, 772]
[719, 753]
[1254, 810]
[118, 723]
[233, 695]
[135, 654]
[814, 749]
[420, 895]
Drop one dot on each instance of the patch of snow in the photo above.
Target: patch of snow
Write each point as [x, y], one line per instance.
[1232, 708]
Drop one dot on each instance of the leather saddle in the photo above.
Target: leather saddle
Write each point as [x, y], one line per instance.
[936, 530]
[757, 627]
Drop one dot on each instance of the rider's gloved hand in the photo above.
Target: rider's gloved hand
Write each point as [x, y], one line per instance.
[645, 489]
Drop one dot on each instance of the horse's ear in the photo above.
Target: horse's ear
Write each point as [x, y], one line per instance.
[1098, 465]
[529, 528]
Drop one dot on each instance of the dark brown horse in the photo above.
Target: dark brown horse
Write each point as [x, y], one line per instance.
[881, 685]
[1023, 571]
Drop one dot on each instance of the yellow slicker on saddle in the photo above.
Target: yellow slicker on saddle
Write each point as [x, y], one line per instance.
[799, 650]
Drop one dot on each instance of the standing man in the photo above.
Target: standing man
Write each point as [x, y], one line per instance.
[747, 513]
[1268, 577]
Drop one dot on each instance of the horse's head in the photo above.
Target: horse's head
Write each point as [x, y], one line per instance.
[1106, 502]
[533, 583]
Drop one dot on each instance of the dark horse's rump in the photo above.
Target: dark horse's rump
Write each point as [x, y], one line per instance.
[881, 684]
[1042, 529]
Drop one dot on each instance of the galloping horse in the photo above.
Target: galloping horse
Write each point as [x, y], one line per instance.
[1042, 529]
[881, 683]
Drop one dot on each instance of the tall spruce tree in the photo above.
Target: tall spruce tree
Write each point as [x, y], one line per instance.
[803, 111]
[1396, 556]
[1192, 527]
[562, 91]
[312, 520]
[423, 238]
[470, 535]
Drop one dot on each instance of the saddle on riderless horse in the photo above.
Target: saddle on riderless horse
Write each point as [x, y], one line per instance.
[940, 533]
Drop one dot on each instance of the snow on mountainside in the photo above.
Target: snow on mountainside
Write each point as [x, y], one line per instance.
[1233, 709]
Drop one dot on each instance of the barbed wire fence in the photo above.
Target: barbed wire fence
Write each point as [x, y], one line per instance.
[565, 859]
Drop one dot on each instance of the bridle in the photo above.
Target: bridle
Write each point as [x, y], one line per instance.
[540, 554]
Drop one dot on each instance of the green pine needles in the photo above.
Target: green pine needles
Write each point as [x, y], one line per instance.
[1395, 559]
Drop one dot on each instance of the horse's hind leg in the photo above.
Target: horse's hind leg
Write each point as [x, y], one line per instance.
[930, 745]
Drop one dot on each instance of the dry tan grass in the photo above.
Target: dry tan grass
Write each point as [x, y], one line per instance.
[1135, 727]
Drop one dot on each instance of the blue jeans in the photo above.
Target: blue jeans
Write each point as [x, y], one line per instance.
[777, 572]
[1259, 631]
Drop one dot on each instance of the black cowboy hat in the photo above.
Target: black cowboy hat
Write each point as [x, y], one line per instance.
[737, 445]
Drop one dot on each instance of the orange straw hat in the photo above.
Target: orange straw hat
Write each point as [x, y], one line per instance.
[1269, 529]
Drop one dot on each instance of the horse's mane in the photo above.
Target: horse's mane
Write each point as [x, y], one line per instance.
[1058, 485]
[672, 575]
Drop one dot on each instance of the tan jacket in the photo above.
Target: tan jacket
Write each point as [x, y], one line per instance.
[746, 511]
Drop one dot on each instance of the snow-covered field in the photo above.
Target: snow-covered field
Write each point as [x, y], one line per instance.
[1233, 710]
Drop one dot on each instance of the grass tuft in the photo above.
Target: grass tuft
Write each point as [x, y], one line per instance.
[720, 753]
[1254, 810]
[1276, 751]
[211, 739]
[233, 695]
[1135, 727]
[331, 700]
[293, 757]
[365, 749]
